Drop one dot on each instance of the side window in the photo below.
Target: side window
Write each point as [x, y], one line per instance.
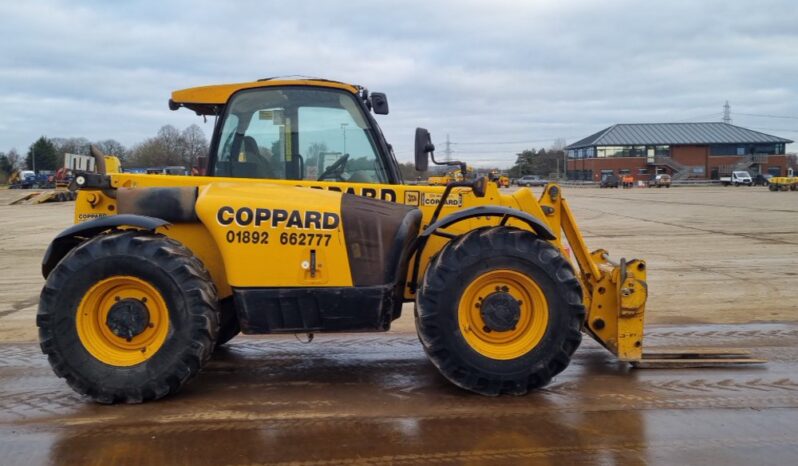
[265, 134]
[228, 130]
[337, 145]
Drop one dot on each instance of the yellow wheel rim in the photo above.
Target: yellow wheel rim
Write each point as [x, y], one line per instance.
[532, 318]
[98, 338]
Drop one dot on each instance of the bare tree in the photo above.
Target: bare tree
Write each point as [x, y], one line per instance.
[170, 147]
[14, 159]
[194, 145]
[69, 146]
[113, 147]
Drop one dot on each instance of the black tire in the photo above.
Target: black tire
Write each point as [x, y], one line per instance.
[448, 276]
[186, 289]
[228, 322]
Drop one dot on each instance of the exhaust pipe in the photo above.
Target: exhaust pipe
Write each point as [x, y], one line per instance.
[99, 159]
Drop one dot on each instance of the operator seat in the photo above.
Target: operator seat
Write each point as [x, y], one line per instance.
[262, 166]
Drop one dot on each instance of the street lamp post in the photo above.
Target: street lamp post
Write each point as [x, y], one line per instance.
[343, 131]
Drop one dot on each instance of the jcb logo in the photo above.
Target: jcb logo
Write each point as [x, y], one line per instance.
[411, 198]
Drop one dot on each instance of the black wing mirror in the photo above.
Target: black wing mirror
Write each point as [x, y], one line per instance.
[379, 103]
[423, 148]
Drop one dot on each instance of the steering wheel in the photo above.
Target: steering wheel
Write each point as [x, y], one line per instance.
[337, 169]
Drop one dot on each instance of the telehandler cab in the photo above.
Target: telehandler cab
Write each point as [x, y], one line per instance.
[302, 224]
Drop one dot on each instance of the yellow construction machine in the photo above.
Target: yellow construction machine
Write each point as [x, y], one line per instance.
[278, 237]
[502, 181]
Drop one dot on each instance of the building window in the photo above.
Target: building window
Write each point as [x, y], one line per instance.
[624, 171]
[642, 171]
[662, 151]
[726, 149]
[621, 151]
[766, 149]
[571, 154]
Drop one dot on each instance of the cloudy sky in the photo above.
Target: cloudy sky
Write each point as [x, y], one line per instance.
[497, 76]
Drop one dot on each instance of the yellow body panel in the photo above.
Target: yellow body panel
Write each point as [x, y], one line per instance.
[219, 94]
[209, 245]
[267, 233]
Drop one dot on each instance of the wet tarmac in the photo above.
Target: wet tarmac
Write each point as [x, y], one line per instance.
[367, 399]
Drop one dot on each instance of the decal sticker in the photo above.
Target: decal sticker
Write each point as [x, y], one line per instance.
[277, 218]
[87, 217]
[411, 198]
[433, 199]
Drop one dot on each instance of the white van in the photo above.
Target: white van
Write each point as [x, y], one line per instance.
[737, 178]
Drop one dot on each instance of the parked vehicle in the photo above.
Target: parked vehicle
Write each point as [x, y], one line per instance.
[783, 183]
[173, 170]
[531, 180]
[737, 178]
[28, 179]
[762, 180]
[659, 181]
[609, 181]
[628, 181]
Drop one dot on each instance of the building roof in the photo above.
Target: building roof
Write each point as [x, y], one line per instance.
[641, 134]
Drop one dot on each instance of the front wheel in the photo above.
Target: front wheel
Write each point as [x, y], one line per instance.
[500, 311]
[128, 317]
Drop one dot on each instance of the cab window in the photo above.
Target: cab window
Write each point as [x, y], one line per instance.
[297, 133]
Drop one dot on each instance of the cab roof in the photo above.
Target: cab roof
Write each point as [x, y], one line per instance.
[209, 100]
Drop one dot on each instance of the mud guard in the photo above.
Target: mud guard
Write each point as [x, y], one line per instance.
[74, 235]
[541, 229]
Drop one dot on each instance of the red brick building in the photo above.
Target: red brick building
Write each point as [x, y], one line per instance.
[683, 150]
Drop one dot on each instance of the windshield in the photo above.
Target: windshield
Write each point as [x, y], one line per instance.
[297, 133]
[741, 174]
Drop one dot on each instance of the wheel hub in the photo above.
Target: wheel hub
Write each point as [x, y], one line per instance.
[500, 311]
[128, 318]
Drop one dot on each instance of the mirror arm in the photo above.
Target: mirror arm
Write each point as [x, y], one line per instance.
[453, 163]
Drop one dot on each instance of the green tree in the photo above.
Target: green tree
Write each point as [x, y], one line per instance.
[5, 165]
[42, 155]
[531, 162]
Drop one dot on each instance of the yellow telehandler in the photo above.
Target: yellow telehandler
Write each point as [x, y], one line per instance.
[301, 224]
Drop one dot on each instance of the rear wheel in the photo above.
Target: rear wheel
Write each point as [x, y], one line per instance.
[500, 311]
[128, 317]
